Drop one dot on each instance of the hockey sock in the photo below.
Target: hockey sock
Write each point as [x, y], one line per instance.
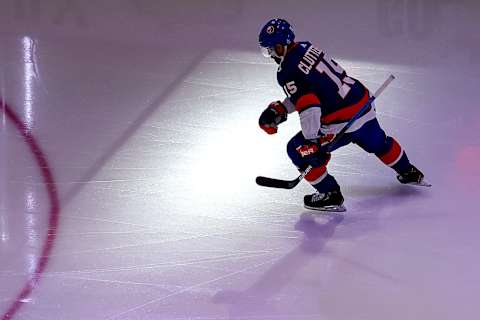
[327, 184]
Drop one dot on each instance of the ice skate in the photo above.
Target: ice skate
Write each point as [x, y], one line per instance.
[331, 201]
[413, 177]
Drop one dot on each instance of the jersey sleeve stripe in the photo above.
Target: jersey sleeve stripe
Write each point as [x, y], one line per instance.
[345, 113]
[306, 101]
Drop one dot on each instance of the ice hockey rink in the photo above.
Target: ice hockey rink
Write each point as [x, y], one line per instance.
[129, 147]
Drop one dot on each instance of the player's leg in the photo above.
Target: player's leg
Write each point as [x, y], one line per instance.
[372, 138]
[329, 196]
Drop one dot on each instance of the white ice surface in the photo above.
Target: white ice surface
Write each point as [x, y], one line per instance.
[147, 114]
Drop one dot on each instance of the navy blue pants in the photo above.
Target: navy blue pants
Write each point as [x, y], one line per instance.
[370, 137]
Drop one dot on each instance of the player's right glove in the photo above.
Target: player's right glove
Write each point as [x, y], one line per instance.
[271, 117]
[312, 153]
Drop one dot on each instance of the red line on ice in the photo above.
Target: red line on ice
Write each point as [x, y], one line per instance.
[54, 212]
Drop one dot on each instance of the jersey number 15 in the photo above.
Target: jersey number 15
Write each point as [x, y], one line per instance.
[334, 72]
[337, 74]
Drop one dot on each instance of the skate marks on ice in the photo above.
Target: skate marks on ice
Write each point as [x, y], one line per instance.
[140, 119]
[371, 206]
[261, 297]
[276, 293]
[376, 198]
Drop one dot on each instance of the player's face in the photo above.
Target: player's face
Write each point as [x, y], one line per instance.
[267, 52]
[279, 50]
[273, 52]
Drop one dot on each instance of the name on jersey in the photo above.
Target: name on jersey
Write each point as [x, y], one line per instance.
[309, 59]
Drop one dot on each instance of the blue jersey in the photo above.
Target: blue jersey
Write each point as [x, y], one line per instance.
[311, 79]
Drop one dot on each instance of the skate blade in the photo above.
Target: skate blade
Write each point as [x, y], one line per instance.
[422, 183]
[340, 208]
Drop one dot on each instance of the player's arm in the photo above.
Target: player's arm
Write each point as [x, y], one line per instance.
[310, 112]
[289, 105]
[277, 111]
[308, 106]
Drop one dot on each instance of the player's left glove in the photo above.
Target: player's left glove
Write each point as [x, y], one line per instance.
[271, 117]
[325, 139]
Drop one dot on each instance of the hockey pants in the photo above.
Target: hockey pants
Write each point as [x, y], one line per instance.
[370, 137]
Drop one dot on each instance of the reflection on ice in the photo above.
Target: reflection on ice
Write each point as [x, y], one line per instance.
[29, 75]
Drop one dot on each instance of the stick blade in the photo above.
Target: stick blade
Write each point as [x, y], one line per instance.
[275, 183]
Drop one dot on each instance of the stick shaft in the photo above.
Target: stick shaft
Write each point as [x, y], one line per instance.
[384, 85]
[379, 91]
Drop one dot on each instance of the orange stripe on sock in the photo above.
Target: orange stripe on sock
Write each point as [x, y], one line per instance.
[393, 155]
[316, 173]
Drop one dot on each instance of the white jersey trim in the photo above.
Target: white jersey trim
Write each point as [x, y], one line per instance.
[337, 127]
[311, 127]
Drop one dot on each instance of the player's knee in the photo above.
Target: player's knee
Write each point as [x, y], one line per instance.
[375, 145]
[372, 139]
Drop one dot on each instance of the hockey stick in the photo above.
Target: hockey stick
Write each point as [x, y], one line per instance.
[342, 132]
[283, 184]
[290, 184]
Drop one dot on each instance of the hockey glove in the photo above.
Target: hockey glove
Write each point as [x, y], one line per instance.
[271, 117]
[312, 153]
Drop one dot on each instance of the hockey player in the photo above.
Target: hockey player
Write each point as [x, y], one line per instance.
[326, 98]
